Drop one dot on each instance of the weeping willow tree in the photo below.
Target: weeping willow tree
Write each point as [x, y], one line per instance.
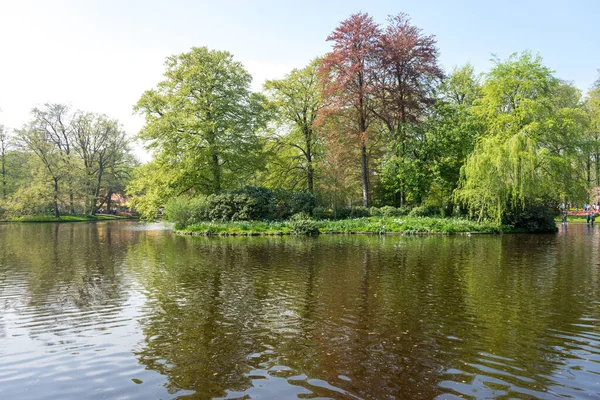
[533, 145]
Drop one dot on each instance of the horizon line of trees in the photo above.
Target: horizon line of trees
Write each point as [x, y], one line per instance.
[63, 162]
[374, 122]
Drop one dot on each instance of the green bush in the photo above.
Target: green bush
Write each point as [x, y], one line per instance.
[536, 218]
[250, 203]
[183, 211]
[375, 212]
[404, 210]
[254, 203]
[246, 204]
[293, 202]
[425, 211]
[389, 211]
[321, 213]
[303, 224]
[341, 213]
[359, 212]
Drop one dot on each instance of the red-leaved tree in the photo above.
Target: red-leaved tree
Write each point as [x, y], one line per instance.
[407, 73]
[406, 76]
[349, 80]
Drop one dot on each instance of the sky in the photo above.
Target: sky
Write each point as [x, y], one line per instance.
[100, 56]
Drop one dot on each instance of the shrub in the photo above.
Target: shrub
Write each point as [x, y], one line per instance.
[321, 213]
[303, 224]
[536, 218]
[293, 202]
[253, 203]
[359, 212]
[404, 210]
[389, 211]
[342, 212]
[221, 207]
[425, 211]
[374, 212]
[183, 211]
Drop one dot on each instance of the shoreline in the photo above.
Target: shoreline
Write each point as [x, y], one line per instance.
[65, 219]
[281, 233]
[399, 226]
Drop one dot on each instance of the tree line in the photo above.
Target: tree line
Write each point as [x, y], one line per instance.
[63, 162]
[374, 122]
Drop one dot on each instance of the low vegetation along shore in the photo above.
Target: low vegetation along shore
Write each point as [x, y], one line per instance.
[366, 225]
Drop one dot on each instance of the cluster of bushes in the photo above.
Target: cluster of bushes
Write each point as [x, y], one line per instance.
[535, 218]
[247, 204]
[261, 204]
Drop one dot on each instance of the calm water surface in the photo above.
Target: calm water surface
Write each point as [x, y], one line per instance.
[123, 310]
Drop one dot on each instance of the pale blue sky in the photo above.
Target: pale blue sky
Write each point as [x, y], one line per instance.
[101, 55]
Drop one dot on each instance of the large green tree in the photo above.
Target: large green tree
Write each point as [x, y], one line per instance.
[3, 154]
[593, 133]
[298, 99]
[452, 130]
[101, 146]
[202, 124]
[531, 147]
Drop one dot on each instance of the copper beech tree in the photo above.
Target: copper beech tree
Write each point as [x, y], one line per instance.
[349, 80]
[380, 77]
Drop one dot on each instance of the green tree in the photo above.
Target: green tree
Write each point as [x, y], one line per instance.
[452, 130]
[203, 123]
[531, 148]
[46, 137]
[593, 133]
[101, 145]
[3, 154]
[297, 97]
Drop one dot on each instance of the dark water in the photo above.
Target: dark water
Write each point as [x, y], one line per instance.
[125, 310]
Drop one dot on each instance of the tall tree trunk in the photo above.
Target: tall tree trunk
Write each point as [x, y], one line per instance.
[71, 204]
[3, 174]
[56, 213]
[109, 201]
[97, 190]
[216, 171]
[364, 161]
[310, 171]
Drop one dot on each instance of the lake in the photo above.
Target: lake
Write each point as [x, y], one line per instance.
[127, 310]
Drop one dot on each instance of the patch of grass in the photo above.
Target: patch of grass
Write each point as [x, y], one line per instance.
[367, 225]
[407, 225]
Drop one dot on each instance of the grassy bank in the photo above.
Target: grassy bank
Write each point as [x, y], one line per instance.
[367, 225]
[63, 218]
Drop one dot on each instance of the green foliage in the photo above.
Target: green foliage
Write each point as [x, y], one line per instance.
[33, 199]
[184, 212]
[321, 212]
[389, 211]
[359, 212]
[203, 124]
[425, 211]
[531, 148]
[535, 218]
[290, 202]
[250, 203]
[295, 149]
[303, 224]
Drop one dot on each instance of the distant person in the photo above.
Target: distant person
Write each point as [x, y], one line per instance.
[564, 217]
[588, 217]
